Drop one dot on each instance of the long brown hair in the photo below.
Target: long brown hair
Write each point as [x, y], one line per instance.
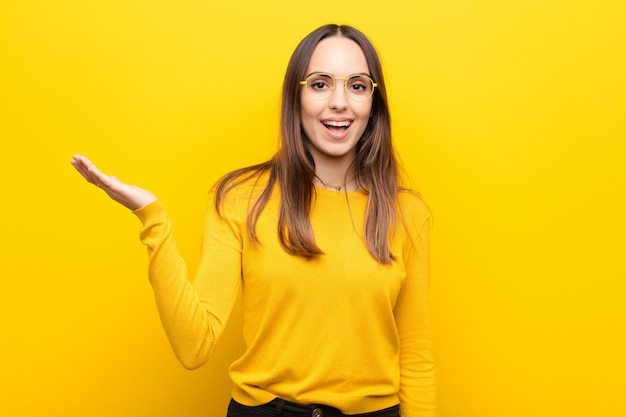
[293, 168]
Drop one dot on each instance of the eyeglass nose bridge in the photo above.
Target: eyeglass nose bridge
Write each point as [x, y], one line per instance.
[334, 87]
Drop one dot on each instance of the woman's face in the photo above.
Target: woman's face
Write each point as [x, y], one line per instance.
[334, 125]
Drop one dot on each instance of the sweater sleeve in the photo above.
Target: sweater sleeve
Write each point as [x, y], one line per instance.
[417, 369]
[193, 315]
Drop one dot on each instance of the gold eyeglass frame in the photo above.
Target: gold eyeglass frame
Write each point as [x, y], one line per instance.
[345, 85]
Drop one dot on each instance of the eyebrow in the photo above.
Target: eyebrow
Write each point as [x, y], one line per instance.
[328, 73]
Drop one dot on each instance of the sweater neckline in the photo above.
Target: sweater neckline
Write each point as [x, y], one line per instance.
[326, 192]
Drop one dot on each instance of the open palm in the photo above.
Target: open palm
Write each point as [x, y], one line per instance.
[129, 196]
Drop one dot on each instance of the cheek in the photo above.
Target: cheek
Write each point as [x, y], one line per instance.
[365, 110]
[309, 112]
[309, 107]
[307, 118]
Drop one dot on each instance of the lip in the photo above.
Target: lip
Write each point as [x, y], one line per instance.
[337, 120]
[337, 134]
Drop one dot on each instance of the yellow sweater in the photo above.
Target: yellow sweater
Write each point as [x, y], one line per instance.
[339, 329]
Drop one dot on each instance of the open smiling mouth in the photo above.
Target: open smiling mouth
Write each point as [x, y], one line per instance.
[337, 126]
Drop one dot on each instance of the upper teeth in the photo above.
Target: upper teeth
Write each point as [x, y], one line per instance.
[345, 123]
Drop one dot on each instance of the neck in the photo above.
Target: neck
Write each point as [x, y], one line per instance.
[348, 185]
[334, 172]
[334, 178]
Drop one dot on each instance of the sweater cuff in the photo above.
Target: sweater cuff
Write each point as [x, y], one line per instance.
[151, 213]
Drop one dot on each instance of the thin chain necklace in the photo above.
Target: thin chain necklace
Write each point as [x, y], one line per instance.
[337, 188]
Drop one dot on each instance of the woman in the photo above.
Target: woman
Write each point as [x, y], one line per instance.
[330, 252]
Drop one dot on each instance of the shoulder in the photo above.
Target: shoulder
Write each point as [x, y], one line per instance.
[243, 182]
[413, 210]
[412, 202]
[240, 188]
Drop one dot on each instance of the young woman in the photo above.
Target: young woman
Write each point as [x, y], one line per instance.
[330, 252]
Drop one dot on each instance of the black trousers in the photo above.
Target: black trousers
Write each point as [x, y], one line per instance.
[281, 408]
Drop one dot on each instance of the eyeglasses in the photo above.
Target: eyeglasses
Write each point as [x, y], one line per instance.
[321, 86]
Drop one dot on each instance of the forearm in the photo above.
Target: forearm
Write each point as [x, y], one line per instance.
[190, 328]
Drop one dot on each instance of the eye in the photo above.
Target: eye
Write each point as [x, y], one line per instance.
[320, 82]
[318, 85]
[359, 85]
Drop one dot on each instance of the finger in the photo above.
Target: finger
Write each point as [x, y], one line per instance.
[78, 163]
[86, 174]
[91, 173]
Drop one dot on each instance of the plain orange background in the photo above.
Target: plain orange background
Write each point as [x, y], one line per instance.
[508, 115]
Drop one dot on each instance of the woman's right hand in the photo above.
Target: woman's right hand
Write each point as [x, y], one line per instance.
[129, 196]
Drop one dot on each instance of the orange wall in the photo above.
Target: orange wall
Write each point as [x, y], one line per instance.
[509, 116]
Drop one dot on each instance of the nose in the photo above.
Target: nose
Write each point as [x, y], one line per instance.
[339, 98]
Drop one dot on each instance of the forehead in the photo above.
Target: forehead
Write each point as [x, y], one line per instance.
[338, 56]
